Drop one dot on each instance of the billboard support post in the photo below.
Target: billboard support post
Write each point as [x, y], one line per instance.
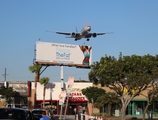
[62, 88]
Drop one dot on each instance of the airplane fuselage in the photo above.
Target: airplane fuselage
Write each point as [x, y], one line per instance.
[84, 32]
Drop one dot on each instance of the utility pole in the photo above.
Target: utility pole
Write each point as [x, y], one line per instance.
[5, 75]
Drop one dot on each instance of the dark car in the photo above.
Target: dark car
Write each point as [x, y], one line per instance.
[37, 113]
[15, 114]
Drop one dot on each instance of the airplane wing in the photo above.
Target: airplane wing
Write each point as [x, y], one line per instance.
[103, 33]
[70, 34]
[96, 34]
[64, 33]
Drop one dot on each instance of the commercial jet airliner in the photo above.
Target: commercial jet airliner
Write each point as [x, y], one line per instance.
[85, 33]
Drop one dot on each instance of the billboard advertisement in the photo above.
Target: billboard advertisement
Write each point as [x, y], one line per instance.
[22, 88]
[63, 54]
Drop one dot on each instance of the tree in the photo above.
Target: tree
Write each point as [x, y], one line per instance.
[125, 75]
[44, 81]
[8, 93]
[35, 69]
[108, 99]
[93, 92]
[152, 96]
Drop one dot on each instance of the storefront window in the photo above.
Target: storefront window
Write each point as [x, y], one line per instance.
[129, 109]
[138, 108]
[155, 110]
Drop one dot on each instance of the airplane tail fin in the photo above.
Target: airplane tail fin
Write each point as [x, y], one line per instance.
[76, 30]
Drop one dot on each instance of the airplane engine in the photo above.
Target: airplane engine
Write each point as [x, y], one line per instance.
[94, 35]
[73, 34]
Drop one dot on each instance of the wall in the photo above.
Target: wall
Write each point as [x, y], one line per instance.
[56, 90]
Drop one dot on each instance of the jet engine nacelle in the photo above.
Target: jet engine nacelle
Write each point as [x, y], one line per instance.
[94, 35]
[73, 34]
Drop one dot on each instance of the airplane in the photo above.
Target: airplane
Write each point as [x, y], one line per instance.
[84, 33]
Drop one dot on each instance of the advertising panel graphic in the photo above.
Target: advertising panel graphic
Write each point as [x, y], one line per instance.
[63, 54]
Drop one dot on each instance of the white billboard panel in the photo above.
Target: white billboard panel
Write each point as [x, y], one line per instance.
[63, 54]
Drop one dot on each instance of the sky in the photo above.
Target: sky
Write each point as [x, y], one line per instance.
[23, 23]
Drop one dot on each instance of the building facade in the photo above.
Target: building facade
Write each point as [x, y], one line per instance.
[52, 99]
[136, 106]
[24, 90]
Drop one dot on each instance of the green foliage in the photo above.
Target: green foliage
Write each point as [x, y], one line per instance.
[35, 68]
[7, 93]
[93, 92]
[44, 81]
[108, 98]
[125, 73]
[81, 81]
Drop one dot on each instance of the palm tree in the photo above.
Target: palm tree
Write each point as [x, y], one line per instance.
[35, 69]
[44, 81]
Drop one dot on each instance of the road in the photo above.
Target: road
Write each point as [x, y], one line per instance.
[67, 117]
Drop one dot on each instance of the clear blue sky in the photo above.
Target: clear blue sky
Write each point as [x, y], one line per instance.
[22, 23]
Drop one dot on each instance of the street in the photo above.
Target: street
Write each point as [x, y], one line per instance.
[67, 117]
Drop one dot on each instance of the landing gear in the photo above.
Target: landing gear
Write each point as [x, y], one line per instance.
[88, 39]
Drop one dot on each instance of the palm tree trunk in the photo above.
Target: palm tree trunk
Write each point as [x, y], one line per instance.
[36, 80]
[44, 89]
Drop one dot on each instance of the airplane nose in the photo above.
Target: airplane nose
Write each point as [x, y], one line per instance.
[89, 28]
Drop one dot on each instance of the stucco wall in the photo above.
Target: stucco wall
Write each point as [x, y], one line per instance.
[56, 90]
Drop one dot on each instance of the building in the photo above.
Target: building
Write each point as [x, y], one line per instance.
[52, 99]
[23, 88]
[76, 99]
[137, 105]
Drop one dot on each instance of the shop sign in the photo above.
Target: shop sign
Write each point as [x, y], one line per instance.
[77, 96]
[50, 106]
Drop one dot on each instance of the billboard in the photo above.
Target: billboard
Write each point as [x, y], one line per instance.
[63, 54]
[22, 87]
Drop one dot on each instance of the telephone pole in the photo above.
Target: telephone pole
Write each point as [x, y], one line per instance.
[5, 75]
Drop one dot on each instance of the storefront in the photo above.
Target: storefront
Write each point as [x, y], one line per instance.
[53, 90]
[136, 108]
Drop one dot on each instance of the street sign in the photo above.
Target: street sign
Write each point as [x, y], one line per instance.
[62, 96]
[70, 81]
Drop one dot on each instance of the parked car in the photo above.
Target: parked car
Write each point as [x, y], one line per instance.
[15, 114]
[37, 113]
